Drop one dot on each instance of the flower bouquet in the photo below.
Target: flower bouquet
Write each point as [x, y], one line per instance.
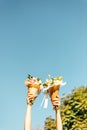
[34, 86]
[52, 86]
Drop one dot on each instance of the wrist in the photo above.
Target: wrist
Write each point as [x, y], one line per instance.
[29, 106]
[57, 111]
[56, 107]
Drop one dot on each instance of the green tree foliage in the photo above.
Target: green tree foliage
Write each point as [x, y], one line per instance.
[73, 111]
[50, 123]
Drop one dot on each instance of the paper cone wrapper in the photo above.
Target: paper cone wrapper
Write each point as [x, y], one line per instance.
[34, 89]
[54, 91]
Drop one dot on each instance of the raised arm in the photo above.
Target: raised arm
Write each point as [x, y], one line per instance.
[27, 122]
[28, 115]
[56, 102]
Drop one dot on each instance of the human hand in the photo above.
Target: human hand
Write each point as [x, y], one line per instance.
[56, 103]
[30, 98]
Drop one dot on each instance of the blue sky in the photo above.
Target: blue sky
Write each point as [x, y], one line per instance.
[39, 37]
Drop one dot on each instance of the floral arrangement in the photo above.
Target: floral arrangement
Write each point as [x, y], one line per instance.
[50, 82]
[32, 80]
[51, 88]
[34, 87]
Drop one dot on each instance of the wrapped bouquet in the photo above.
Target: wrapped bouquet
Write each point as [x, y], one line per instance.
[34, 86]
[51, 87]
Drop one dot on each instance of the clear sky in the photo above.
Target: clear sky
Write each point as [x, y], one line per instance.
[39, 37]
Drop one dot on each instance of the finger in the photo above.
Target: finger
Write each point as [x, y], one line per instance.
[29, 94]
[56, 104]
[55, 100]
[31, 97]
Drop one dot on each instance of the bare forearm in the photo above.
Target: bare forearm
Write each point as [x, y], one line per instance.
[27, 122]
[58, 120]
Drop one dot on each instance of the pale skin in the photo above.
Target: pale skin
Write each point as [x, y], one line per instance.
[28, 116]
[55, 102]
[27, 122]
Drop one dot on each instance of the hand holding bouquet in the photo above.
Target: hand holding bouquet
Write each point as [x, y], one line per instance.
[52, 86]
[34, 87]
